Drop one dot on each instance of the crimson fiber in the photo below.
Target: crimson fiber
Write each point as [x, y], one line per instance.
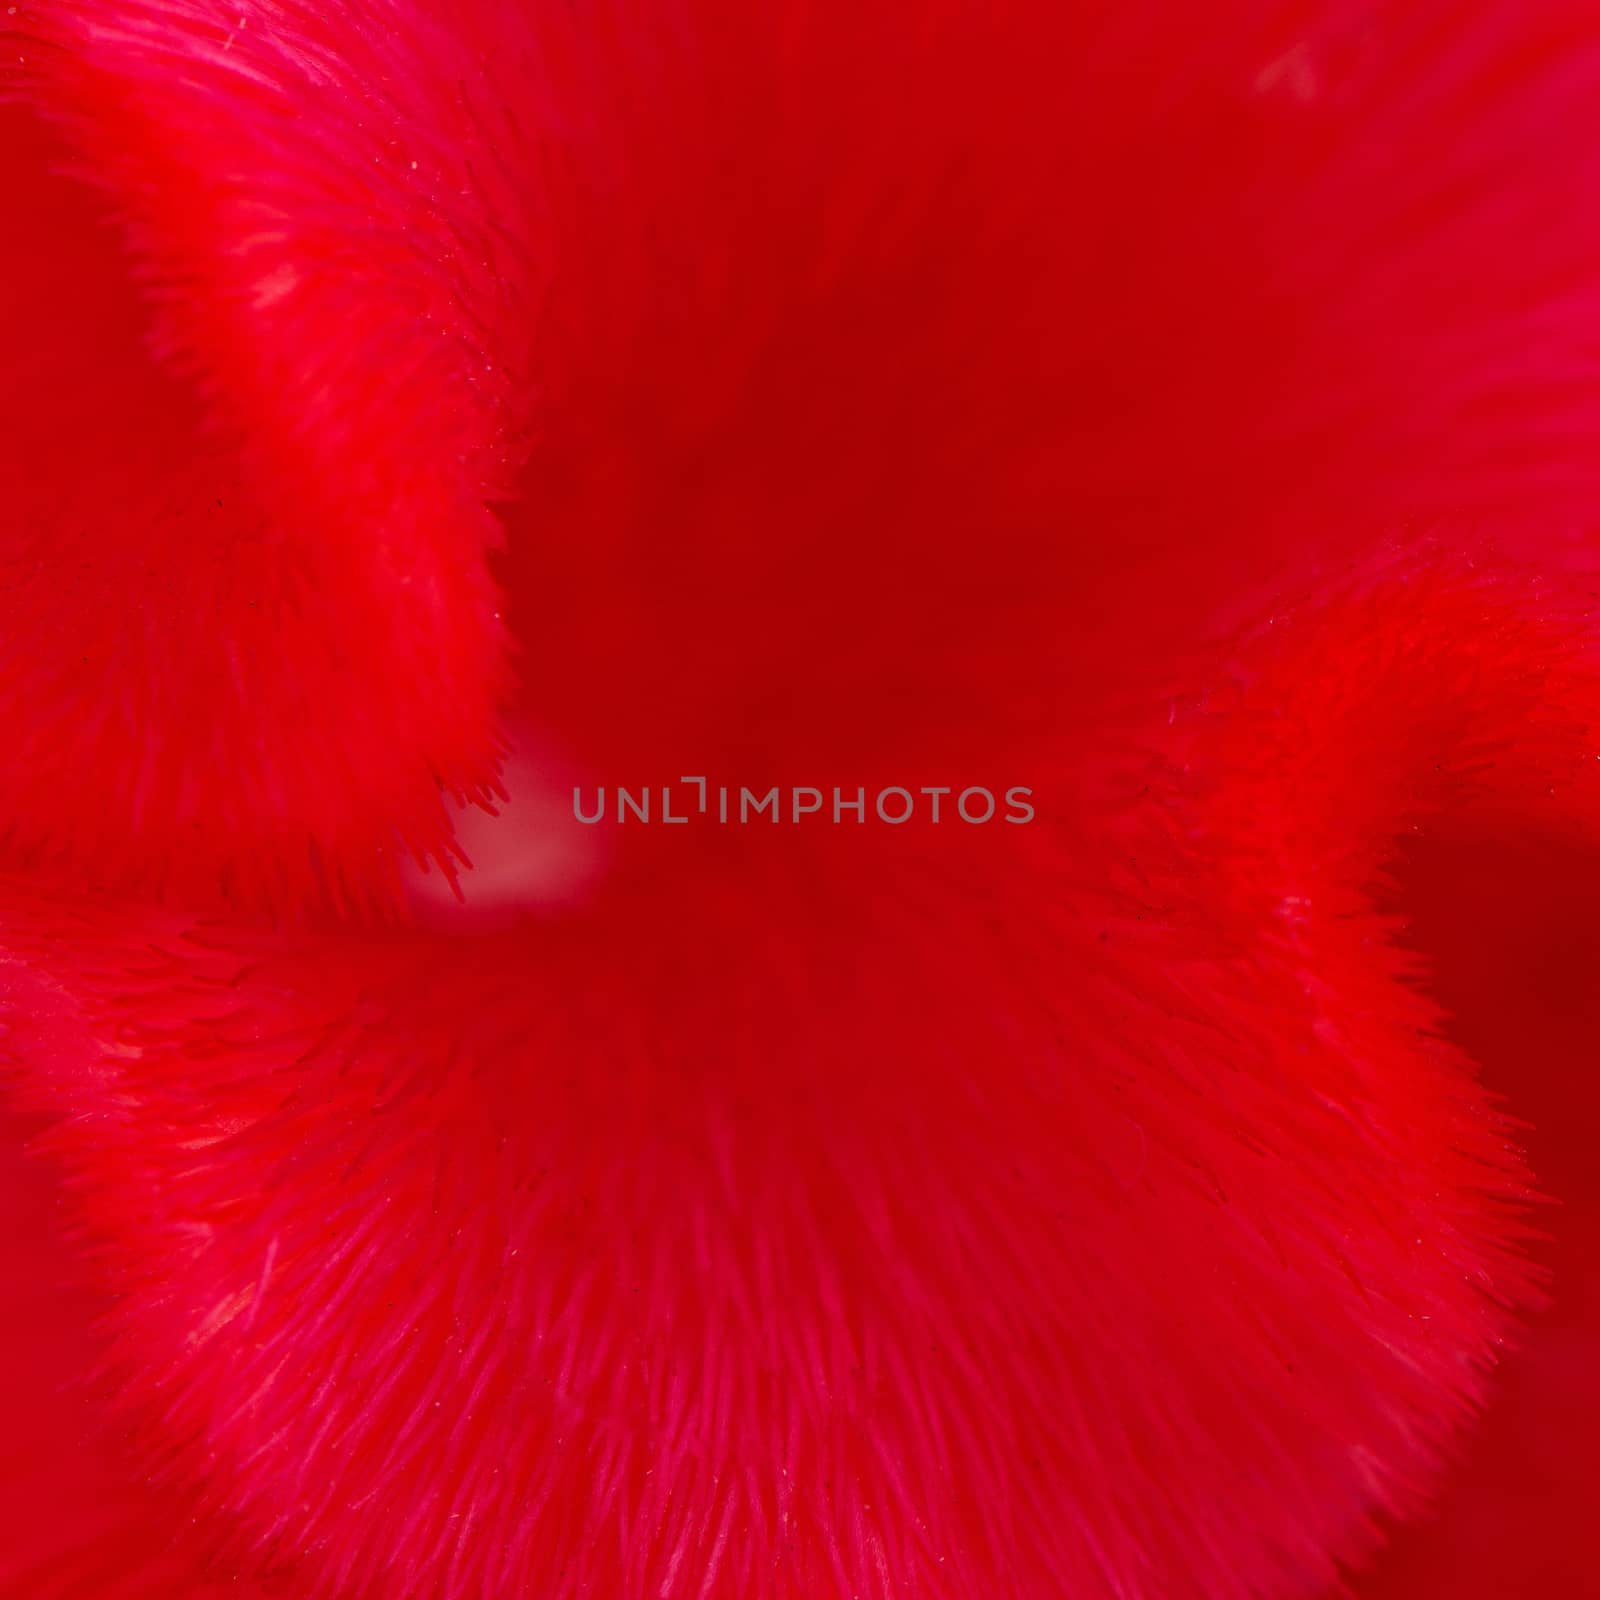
[411, 412]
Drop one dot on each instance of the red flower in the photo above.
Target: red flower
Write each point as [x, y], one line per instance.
[1172, 423]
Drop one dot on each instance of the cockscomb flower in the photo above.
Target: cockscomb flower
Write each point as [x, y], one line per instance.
[1102, 1109]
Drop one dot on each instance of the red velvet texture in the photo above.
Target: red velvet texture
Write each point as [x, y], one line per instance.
[411, 412]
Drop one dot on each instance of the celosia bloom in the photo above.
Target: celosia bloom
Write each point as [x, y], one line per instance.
[422, 422]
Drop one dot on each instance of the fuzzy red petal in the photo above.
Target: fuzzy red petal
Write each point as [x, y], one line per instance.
[1183, 413]
[250, 429]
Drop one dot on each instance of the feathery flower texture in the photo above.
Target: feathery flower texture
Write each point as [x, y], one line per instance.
[529, 535]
